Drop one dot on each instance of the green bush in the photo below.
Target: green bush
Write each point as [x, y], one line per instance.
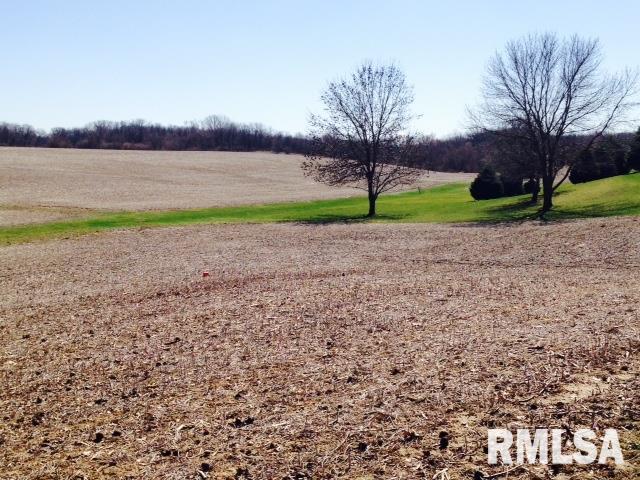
[531, 186]
[600, 163]
[633, 159]
[620, 160]
[486, 185]
[511, 186]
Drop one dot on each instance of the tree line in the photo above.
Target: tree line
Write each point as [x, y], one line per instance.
[460, 153]
[212, 133]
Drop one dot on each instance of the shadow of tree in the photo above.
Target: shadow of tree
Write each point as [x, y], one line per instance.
[325, 219]
[521, 209]
[595, 210]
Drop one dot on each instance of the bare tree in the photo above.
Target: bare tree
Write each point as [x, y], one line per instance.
[362, 139]
[544, 92]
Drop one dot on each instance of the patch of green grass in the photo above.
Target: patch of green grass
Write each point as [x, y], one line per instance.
[447, 203]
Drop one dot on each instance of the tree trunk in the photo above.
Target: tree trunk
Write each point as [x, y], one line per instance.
[372, 205]
[547, 194]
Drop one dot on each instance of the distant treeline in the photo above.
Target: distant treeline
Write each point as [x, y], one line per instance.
[220, 134]
[213, 133]
[462, 153]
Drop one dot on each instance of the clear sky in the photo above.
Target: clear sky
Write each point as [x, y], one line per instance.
[67, 63]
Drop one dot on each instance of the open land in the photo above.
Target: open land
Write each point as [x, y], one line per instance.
[46, 184]
[315, 351]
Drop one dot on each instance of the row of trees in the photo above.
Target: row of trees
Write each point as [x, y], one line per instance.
[462, 153]
[212, 133]
[545, 101]
[21, 136]
[607, 159]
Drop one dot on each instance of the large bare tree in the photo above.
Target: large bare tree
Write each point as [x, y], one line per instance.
[545, 92]
[362, 137]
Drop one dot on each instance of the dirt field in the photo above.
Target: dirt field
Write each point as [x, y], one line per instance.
[335, 351]
[40, 181]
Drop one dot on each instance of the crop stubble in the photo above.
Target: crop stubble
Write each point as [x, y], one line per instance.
[332, 351]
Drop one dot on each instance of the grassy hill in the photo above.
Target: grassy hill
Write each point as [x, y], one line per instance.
[448, 203]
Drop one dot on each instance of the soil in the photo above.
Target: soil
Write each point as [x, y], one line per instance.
[316, 351]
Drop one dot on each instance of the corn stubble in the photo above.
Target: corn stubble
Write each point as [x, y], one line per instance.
[335, 351]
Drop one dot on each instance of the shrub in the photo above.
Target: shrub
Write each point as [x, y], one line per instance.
[607, 169]
[585, 168]
[486, 185]
[606, 160]
[530, 186]
[620, 160]
[633, 159]
[512, 186]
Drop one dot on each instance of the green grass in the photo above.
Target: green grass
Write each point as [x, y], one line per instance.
[447, 203]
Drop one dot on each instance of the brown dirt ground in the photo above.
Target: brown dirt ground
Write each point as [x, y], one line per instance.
[17, 215]
[334, 351]
[42, 178]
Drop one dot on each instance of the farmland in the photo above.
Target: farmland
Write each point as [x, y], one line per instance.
[320, 345]
[314, 351]
[52, 184]
[320, 241]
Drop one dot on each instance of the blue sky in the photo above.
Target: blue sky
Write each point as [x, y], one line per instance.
[67, 63]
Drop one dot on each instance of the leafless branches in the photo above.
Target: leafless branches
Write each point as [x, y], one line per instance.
[362, 140]
[543, 91]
